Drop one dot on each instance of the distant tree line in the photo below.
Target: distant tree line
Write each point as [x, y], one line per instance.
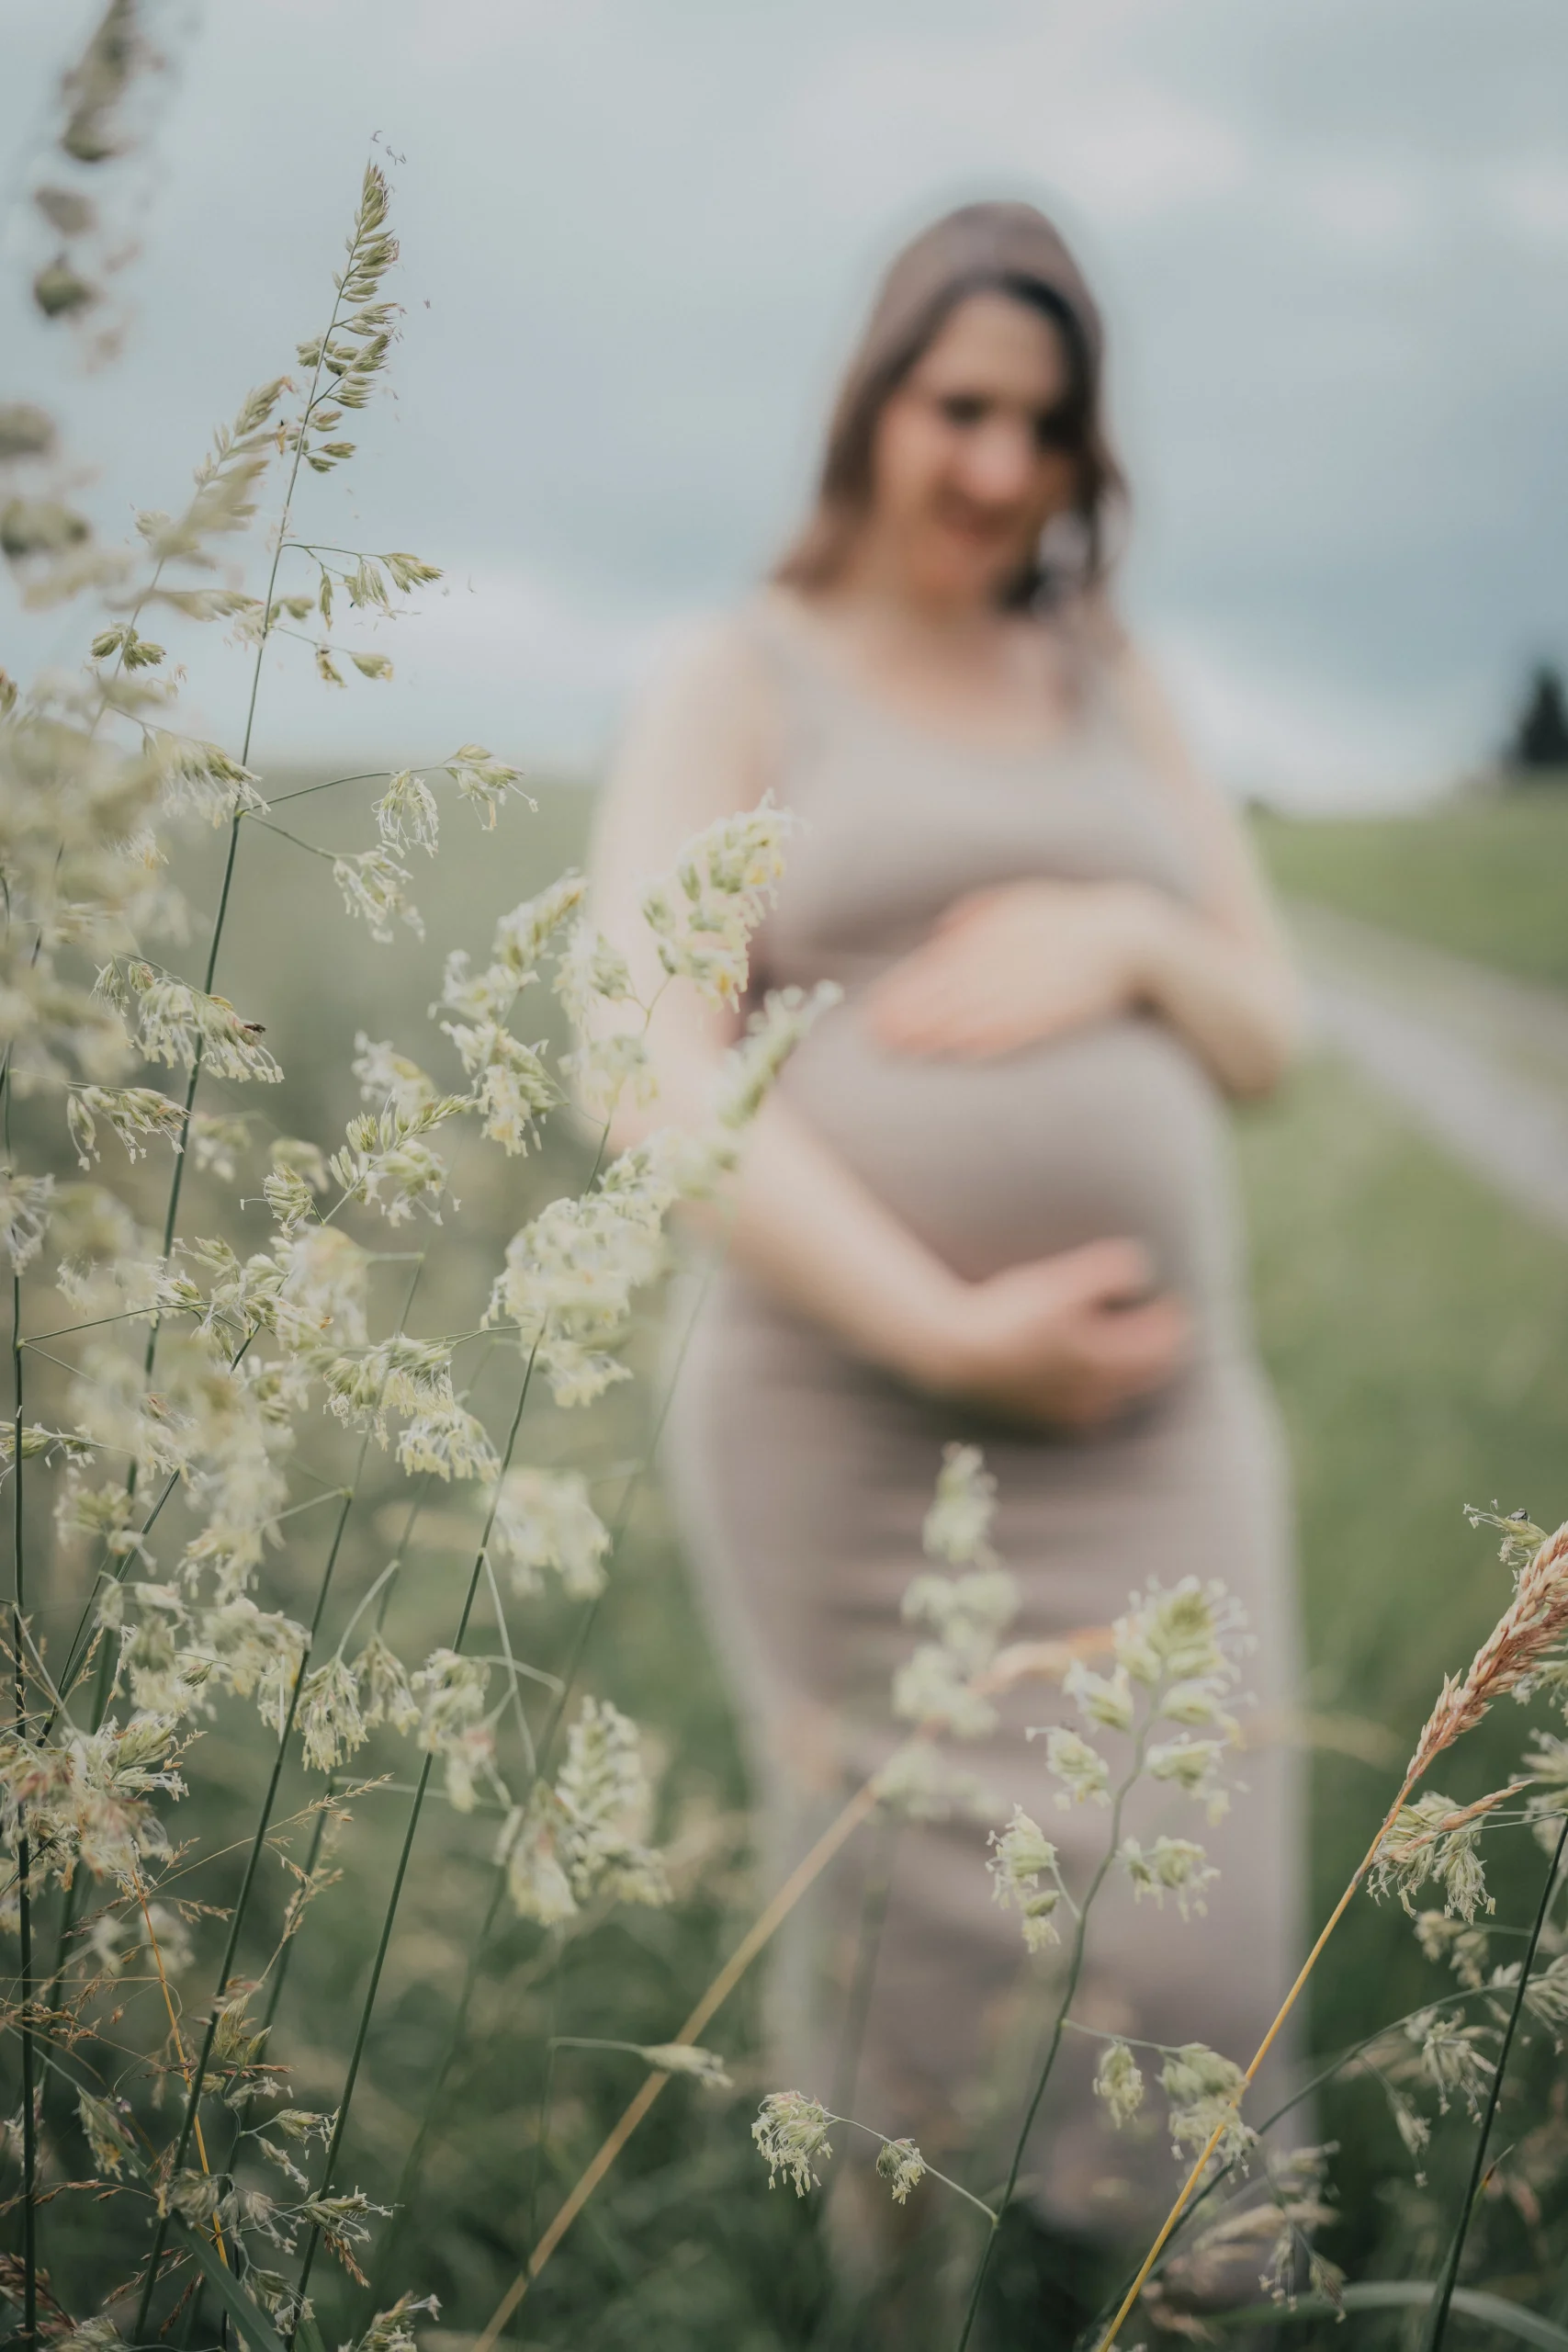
[1537, 751]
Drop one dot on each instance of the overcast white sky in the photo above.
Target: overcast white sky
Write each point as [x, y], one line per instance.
[1331, 239]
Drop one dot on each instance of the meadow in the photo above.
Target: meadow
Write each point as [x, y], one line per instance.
[1483, 877]
[1413, 1327]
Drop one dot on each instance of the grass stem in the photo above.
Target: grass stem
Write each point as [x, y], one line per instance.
[416, 1808]
[1075, 1970]
[860, 1806]
[634, 1477]
[176, 1179]
[1442, 2300]
[868, 1946]
[188, 2120]
[24, 1894]
[851, 2123]
[1183, 2196]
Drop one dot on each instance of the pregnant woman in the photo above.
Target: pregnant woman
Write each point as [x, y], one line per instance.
[991, 1200]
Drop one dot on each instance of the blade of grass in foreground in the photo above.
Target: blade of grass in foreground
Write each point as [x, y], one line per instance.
[1027, 1659]
[1402, 2294]
[1533, 1626]
[1440, 2309]
[761, 1930]
[251, 2323]
[340, 2125]
[628, 1505]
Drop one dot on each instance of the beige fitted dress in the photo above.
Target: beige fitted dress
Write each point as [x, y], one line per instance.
[801, 1474]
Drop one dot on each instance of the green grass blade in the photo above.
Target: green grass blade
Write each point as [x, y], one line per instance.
[309, 2333]
[1451, 2269]
[1408, 2294]
[1387, 2294]
[252, 2323]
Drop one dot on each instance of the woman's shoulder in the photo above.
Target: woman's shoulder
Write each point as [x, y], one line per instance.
[724, 655]
[715, 673]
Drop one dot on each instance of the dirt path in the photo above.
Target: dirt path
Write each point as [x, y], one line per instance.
[1481, 1061]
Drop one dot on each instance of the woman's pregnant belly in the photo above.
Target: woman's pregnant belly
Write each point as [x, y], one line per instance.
[1112, 1131]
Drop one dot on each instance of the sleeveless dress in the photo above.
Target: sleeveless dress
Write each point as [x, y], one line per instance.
[800, 1474]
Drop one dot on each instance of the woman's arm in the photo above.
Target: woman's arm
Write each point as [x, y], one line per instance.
[702, 746]
[1222, 974]
[1071, 1340]
[1033, 959]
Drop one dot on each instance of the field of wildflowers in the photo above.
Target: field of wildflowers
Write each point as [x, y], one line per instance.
[357, 1926]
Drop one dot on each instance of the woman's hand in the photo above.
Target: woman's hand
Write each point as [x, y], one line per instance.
[1069, 1341]
[1016, 965]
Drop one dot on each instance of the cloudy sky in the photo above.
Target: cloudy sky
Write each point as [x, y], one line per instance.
[637, 237]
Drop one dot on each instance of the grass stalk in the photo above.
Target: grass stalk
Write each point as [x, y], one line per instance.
[177, 2040]
[868, 1948]
[860, 1806]
[367, 2011]
[171, 1220]
[851, 2124]
[1530, 1629]
[1044, 1657]
[81, 1637]
[176, 1177]
[1308, 2089]
[24, 1896]
[553, 1721]
[313, 1855]
[542, 2111]
[1436, 2327]
[416, 1808]
[415, 2157]
[275, 1994]
[1188, 2186]
[623, 1521]
[69, 1901]
[242, 1901]
[1075, 1970]
[190, 2118]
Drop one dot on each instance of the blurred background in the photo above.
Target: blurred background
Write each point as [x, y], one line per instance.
[636, 240]
[638, 235]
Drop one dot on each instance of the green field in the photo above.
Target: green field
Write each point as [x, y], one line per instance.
[1487, 878]
[1413, 1329]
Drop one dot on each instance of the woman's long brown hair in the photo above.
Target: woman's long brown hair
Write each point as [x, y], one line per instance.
[1002, 248]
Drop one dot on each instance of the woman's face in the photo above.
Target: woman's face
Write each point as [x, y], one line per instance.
[969, 461]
